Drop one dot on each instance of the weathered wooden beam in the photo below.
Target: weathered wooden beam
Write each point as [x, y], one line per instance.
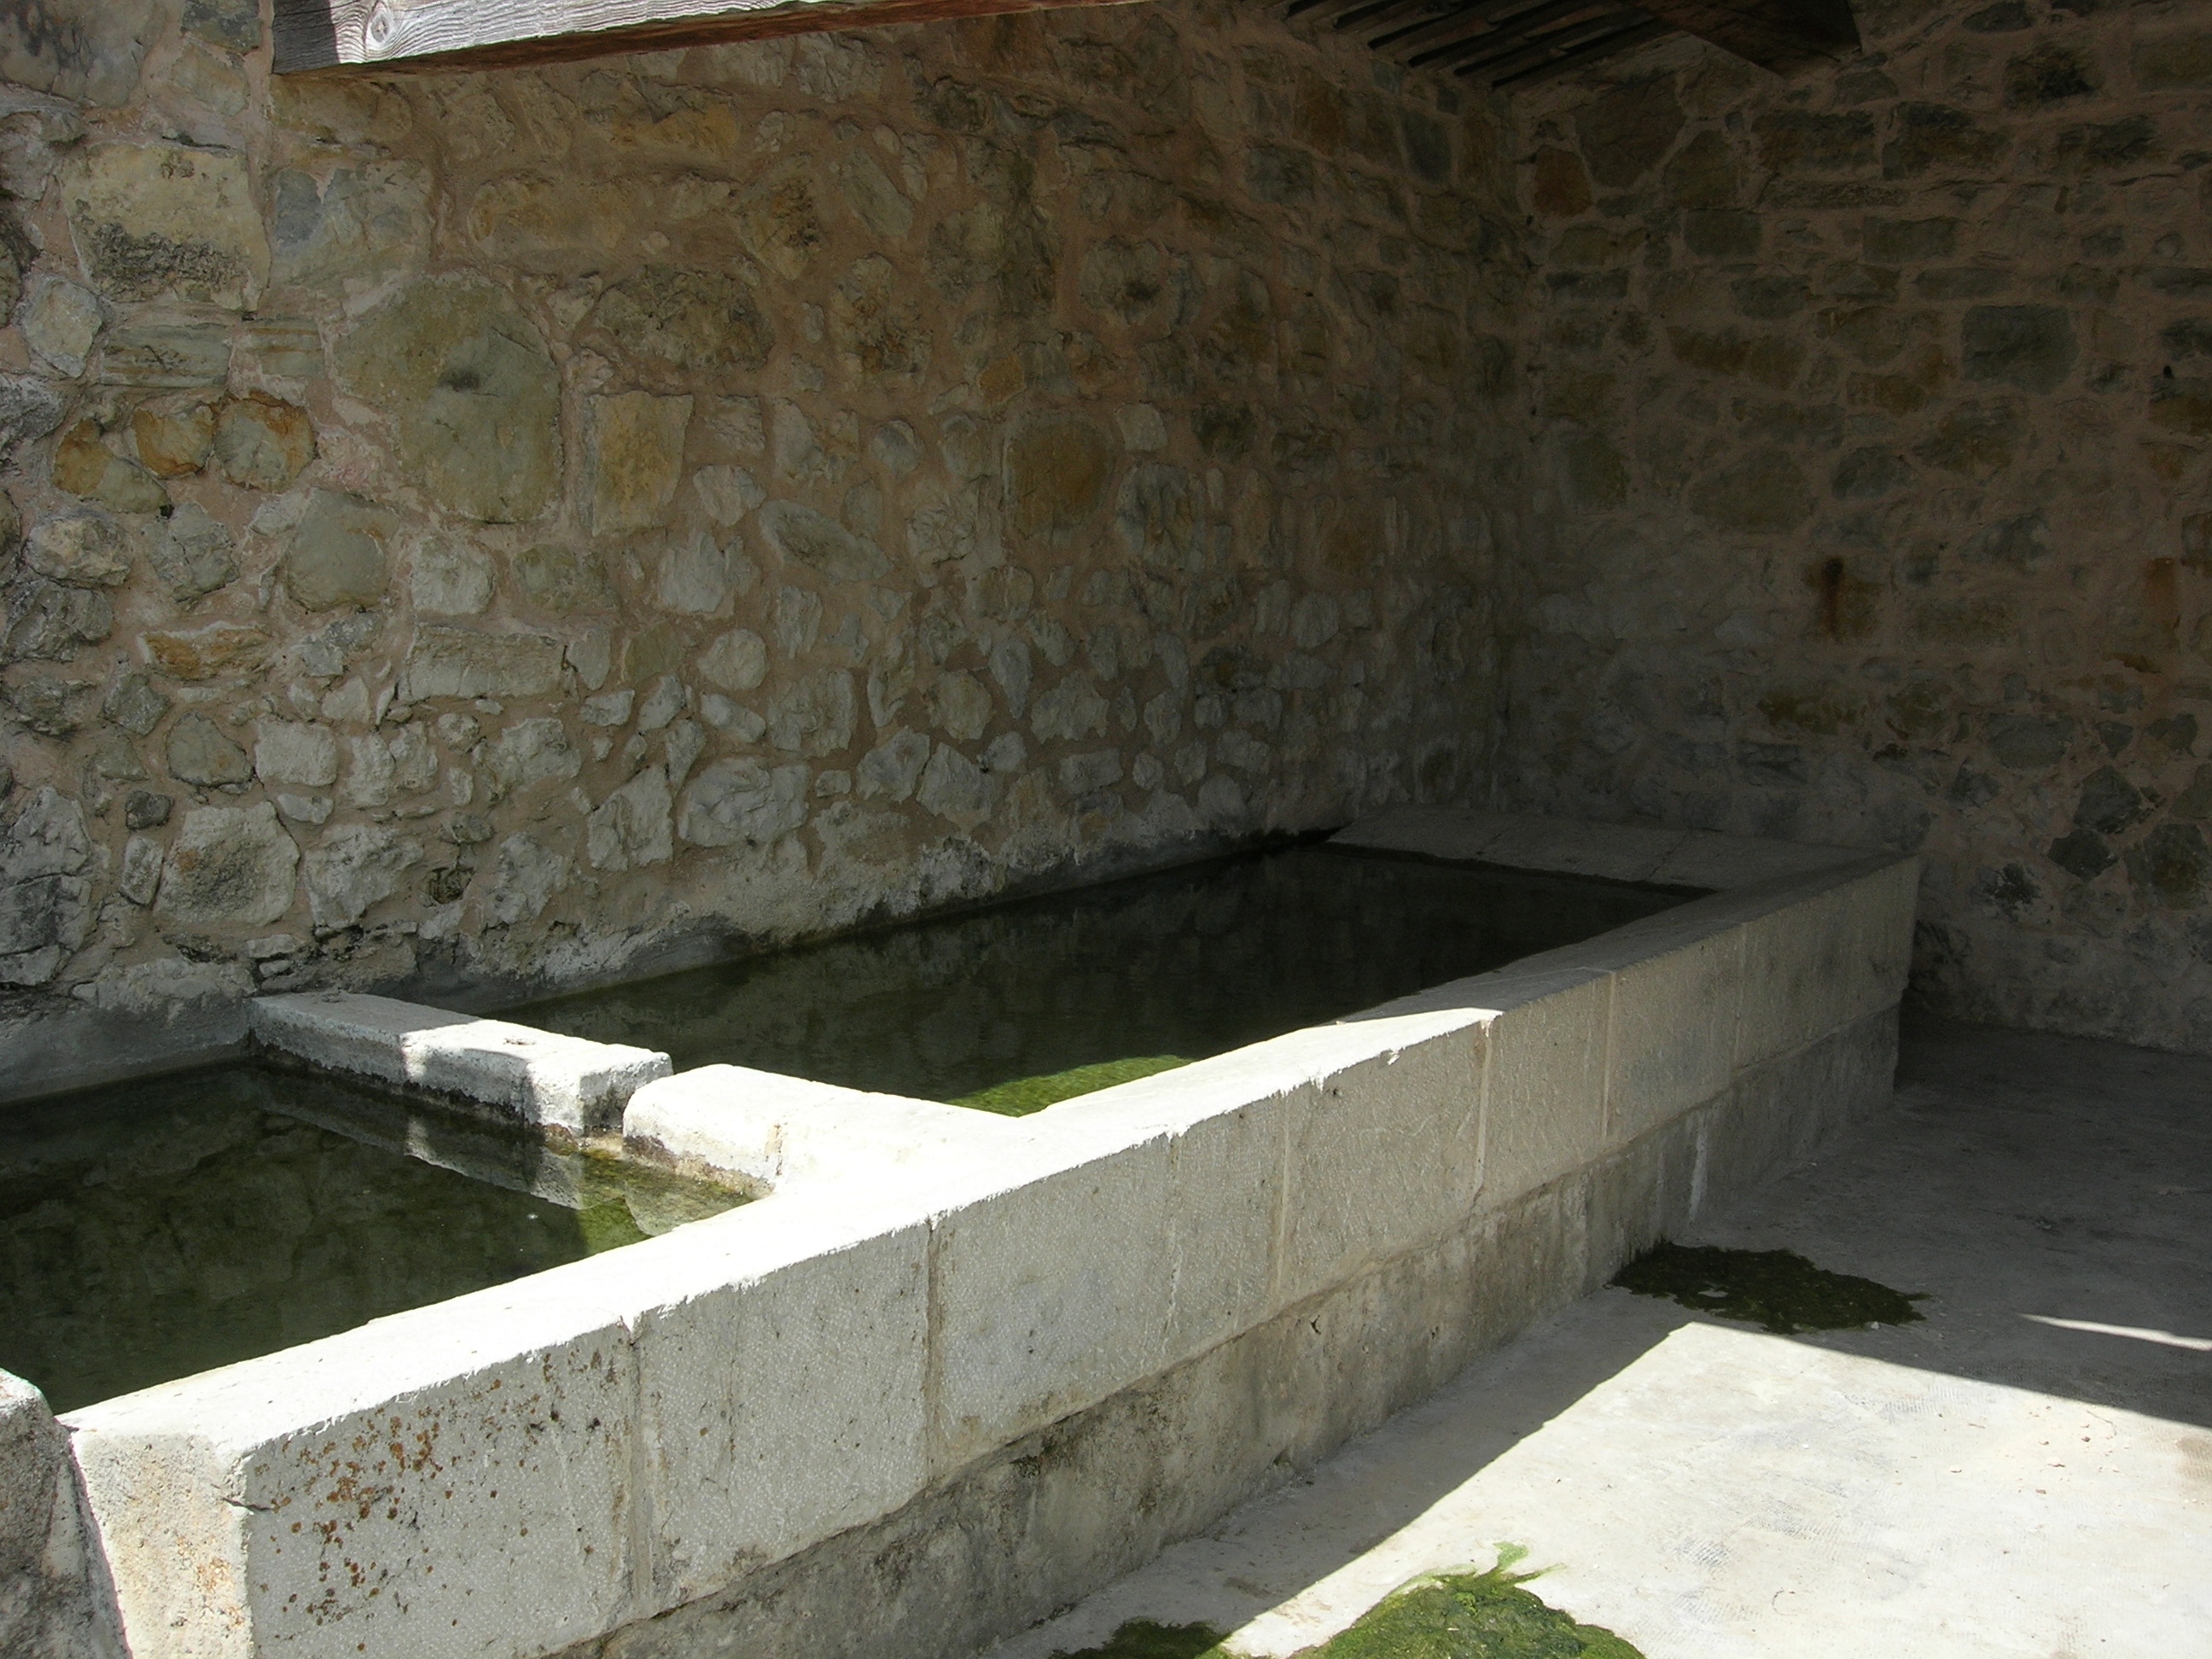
[1787, 36]
[326, 35]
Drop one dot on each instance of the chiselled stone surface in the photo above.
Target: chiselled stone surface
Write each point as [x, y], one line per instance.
[472, 395]
[447, 661]
[157, 221]
[338, 556]
[229, 865]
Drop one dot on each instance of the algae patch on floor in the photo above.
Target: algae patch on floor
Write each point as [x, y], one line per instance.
[1023, 1095]
[1465, 1615]
[1141, 1638]
[1778, 1291]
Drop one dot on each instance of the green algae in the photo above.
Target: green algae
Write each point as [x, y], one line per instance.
[1141, 1638]
[1025, 1095]
[1450, 1615]
[1778, 1291]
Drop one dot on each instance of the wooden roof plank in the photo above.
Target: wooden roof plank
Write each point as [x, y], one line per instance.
[401, 34]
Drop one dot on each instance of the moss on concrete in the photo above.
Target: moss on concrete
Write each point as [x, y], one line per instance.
[1023, 1094]
[1459, 1615]
[1778, 1291]
[1141, 1638]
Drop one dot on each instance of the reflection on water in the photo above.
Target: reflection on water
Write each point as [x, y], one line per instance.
[1189, 962]
[152, 1230]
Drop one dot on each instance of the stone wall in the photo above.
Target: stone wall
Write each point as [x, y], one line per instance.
[474, 530]
[1873, 412]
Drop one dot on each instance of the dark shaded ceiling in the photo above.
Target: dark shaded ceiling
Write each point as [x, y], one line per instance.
[1509, 44]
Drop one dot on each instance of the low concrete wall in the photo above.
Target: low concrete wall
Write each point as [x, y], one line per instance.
[909, 1403]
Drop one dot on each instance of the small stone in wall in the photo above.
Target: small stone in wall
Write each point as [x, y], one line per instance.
[734, 718]
[956, 788]
[230, 866]
[727, 493]
[84, 465]
[811, 538]
[49, 704]
[29, 408]
[175, 356]
[450, 578]
[734, 801]
[563, 578]
[472, 393]
[529, 873]
[206, 652]
[703, 320]
[633, 458]
[235, 24]
[356, 868]
[60, 321]
[141, 875]
[288, 751]
[160, 221]
[263, 444]
[700, 576]
[528, 753]
[85, 550]
[337, 557]
[448, 661]
[894, 767]
[736, 661]
[143, 809]
[814, 716]
[49, 623]
[200, 752]
[896, 448]
[630, 828]
[191, 553]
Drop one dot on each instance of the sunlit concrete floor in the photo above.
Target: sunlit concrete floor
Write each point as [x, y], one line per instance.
[2029, 1472]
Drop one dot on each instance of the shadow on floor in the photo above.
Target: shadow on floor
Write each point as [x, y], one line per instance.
[2016, 1180]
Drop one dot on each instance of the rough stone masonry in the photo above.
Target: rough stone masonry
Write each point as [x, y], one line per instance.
[500, 528]
[1873, 412]
[469, 531]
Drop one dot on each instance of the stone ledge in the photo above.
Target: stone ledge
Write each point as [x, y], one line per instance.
[562, 1085]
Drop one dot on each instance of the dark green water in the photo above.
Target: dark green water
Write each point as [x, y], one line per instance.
[152, 1230]
[1125, 977]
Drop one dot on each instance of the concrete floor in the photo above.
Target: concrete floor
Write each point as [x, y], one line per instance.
[2027, 1472]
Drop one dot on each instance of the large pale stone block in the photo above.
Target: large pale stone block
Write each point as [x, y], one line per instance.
[1831, 957]
[1386, 1151]
[1225, 1119]
[1678, 988]
[763, 1129]
[1051, 1287]
[783, 1378]
[560, 1083]
[158, 220]
[1544, 1104]
[458, 1480]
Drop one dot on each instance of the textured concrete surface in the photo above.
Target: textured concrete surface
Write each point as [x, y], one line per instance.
[2028, 1472]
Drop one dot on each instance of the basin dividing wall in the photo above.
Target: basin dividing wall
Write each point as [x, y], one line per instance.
[957, 1371]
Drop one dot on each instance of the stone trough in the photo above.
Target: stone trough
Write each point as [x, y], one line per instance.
[955, 1371]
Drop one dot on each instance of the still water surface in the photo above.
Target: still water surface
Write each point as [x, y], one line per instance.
[1015, 1006]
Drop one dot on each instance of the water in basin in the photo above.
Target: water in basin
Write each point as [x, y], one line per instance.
[1016, 1006]
[156, 1229]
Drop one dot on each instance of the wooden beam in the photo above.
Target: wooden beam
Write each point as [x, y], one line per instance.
[1787, 36]
[389, 35]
